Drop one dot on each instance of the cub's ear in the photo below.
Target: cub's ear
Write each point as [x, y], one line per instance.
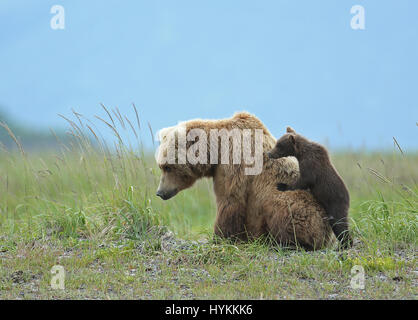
[290, 130]
[292, 138]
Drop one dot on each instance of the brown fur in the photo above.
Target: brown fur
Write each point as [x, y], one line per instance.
[251, 206]
[319, 175]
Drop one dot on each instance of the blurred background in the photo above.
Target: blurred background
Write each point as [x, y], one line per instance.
[292, 62]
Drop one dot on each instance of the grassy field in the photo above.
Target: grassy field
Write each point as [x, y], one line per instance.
[92, 208]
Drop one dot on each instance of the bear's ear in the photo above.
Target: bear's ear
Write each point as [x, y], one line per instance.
[292, 139]
[290, 130]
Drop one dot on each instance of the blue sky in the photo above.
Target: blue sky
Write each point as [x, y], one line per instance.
[290, 62]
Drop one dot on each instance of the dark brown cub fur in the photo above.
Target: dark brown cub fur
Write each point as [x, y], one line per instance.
[319, 175]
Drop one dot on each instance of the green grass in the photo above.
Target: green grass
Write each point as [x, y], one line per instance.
[92, 208]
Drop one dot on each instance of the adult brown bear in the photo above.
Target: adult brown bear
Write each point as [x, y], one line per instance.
[248, 205]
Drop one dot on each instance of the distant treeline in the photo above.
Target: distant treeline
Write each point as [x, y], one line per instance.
[31, 139]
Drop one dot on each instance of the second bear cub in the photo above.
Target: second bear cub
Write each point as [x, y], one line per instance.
[319, 175]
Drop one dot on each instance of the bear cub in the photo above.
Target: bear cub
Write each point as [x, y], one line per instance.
[319, 175]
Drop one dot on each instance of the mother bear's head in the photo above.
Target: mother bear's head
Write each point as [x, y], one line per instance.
[236, 143]
[176, 174]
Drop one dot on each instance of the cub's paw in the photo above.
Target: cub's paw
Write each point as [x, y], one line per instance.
[282, 187]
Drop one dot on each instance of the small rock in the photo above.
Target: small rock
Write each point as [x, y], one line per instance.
[17, 277]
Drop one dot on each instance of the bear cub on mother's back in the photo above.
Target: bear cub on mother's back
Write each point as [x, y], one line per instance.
[319, 175]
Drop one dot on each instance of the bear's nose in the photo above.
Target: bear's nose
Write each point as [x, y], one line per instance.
[160, 194]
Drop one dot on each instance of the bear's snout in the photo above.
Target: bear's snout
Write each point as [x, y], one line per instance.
[165, 195]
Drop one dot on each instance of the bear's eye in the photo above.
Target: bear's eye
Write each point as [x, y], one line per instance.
[166, 169]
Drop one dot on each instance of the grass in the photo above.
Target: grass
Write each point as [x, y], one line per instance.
[91, 208]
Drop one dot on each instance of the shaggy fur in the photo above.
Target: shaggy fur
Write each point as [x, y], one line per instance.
[319, 175]
[250, 206]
